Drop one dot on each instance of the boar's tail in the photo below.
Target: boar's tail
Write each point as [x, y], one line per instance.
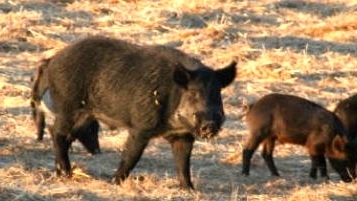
[40, 83]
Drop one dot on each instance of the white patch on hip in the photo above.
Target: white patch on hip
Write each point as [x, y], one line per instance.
[46, 105]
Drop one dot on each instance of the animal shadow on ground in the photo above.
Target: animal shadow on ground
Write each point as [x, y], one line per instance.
[19, 194]
[15, 110]
[21, 45]
[342, 197]
[311, 46]
[51, 13]
[311, 79]
[14, 75]
[322, 10]
[293, 169]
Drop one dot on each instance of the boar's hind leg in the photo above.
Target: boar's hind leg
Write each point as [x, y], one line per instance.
[181, 149]
[133, 149]
[40, 125]
[61, 142]
[267, 153]
[318, 162]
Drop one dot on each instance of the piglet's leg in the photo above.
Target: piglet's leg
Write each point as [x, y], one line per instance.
[318, 162]
[267, 153]
[247, 155]
[256, 137]
[133, 149]
[182, 149]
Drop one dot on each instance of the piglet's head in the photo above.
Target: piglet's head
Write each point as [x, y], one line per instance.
[342, 158]
[200, 107]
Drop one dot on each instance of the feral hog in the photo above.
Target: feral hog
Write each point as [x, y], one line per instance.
[151, 90]
[291, 119]
[41, 105]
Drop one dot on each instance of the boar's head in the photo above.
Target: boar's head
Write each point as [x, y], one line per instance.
[200, 107]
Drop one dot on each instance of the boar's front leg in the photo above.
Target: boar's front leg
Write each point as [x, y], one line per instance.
[182, 149]
[133, 149]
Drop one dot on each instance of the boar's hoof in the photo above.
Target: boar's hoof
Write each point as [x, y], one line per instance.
[187, 185]
[63, 173]
[117, 180]
[187, 188]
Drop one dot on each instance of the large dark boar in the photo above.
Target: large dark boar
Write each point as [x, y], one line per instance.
[151, 90]
[291, 119]
[41, 105]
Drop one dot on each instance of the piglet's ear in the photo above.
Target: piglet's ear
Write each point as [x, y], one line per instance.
[227, 74]
[181, 76]
[338, 144]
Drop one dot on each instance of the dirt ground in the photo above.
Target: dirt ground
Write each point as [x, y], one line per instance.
[306, 48]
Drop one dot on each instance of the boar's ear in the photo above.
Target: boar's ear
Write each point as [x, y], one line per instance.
[181, 76]
[227, 74]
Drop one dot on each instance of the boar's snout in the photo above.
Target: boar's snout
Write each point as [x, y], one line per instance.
[208, 129]
[209, 123]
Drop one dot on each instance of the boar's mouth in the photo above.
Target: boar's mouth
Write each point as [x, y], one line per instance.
[206, 133]
[202, 130]
[206, 130]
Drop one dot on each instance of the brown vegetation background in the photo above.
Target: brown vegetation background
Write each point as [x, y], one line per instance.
[307, 48]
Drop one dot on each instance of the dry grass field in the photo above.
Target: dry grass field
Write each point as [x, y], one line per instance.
[307, 48]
